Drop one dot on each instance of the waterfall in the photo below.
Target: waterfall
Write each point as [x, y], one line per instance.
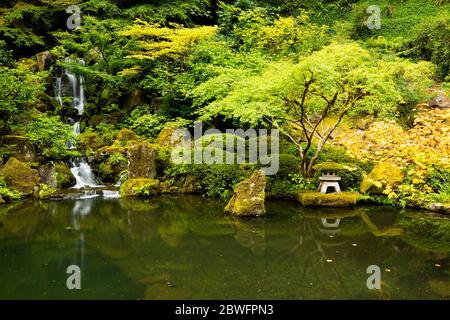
[120, 180]
[71, 85]
[76, 132]
[83, 174]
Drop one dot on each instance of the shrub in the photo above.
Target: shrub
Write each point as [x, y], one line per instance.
[279, 188]
[439, 180]
[149, 125]
[289, 164]
[351, 177]
[8, 194]
[217, 180]
[214, 180]
[50, 136]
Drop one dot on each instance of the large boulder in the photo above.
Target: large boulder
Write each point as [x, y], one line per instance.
[111, 169]
[440, 101]
[333, 200]
[170, 137]
[18, 175]
[124, 139]
[139, 188]
[44, 60]
[125, 135]
[142, 161]
[57, 175]
[383, 174]
[248, 198]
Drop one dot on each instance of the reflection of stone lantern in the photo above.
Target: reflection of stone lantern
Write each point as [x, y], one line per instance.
[329, 178]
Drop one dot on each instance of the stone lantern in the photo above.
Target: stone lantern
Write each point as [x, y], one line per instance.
[329, 178]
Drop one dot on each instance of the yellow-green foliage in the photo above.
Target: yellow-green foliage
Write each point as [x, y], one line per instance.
[164, 41]
[317, 199]
[140, 187]
[329, 166]
[384, 175]
[45, 191]
[286, 34]
[124, 139]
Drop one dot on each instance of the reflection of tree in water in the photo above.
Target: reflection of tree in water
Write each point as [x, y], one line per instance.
[334, 257]
[184, 247]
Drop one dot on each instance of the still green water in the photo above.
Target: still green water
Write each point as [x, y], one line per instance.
[183, 247]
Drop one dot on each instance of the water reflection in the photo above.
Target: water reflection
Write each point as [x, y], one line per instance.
[177, 247]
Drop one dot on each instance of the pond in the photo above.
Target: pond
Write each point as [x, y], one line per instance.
[183, 247]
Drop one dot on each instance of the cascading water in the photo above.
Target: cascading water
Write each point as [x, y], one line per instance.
[83, 174]
[72, 85]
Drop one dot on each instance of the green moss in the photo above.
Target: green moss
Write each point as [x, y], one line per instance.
[124, 139]
[383, 174]
[140, 187]
[125, 135]
[90, 141]
[329, 166]
[63, 176]
[19, 176]
[142, 160]
[165, 137]
[335, 200]
[249, 197]
[110, 170]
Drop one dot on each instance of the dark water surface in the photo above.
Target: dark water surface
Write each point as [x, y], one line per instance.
[183, 247]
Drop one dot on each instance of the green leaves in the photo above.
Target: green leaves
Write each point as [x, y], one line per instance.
[18, 91]
[50, 136]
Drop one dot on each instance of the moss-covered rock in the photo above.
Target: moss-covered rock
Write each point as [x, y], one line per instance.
[126, 135]
[439, 207]
[57, 175]
[19, 176]
[89, 141]
[334, 200]
[169, 137]
[249, 196]
[383, 174]
[166, 188]
[111, 169]
[141, 187]
[124, 139]
[19, 147]
[142, 161]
